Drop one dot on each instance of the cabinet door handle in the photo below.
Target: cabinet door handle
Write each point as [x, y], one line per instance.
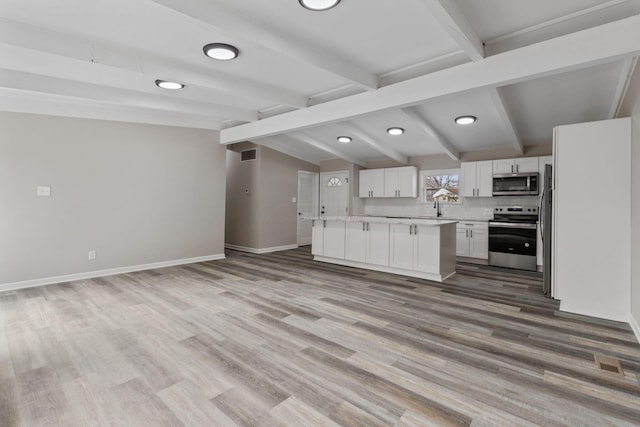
[466, 234]
[415, 229]
[410, 230]
[324, 223]
[363, 226]
[367, 226]
[517, 168]
[511, 168]
[471, 233]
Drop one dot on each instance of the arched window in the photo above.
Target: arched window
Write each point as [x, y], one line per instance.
[334, 182]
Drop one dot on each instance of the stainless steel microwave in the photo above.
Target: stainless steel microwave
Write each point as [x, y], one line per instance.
[515, 184]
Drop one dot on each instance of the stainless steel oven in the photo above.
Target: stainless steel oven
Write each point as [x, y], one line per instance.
[513, 236]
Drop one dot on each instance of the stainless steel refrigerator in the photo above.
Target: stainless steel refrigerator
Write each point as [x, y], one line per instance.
[546, 216]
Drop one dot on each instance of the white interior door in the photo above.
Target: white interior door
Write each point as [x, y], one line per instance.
[307, 204]
[334, 193]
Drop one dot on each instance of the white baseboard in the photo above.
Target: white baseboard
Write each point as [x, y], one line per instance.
[635, 326]
[259, 250]
[102, 273]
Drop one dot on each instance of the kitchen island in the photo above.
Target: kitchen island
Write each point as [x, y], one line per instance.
[424, 248]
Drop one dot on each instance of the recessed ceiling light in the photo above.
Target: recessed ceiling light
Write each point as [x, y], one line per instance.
[465, 120]
[318, 4]
[344, 139]
[164, 84]
[395, 131]
[221, 51]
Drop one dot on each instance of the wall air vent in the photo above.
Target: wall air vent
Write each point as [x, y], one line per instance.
[248, 155]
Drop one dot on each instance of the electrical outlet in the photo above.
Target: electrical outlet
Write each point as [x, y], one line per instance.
[92, 254]
[43, 190]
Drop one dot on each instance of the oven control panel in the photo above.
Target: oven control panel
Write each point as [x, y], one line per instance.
[516, 210]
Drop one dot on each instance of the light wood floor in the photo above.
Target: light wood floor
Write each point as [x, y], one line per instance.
[280, 340]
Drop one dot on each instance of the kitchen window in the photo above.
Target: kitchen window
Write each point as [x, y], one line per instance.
[442, 185]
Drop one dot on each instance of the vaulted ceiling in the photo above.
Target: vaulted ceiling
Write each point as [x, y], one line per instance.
[304, 77]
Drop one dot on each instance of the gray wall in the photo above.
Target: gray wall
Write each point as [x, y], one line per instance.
[266, 217]
[241, 225]
[135, 193]
[631, 108]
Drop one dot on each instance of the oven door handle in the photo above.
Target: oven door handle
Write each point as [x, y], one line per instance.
[513, 225]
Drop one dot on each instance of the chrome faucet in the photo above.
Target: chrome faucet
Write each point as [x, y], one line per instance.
[436, 206]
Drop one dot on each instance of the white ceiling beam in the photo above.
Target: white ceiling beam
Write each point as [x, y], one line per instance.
[449, 15]
[506, 119]
[54, 86]
[55, 105]
[216, 15]
[605, 43]
[22, 44]
[379, 146]
[314, 142]
[285, 148]
[425, 126]
[628, 68]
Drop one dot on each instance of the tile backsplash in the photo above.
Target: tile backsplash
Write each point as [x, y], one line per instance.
[469, 208]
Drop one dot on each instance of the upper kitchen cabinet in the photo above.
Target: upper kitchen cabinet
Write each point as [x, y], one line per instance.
[401, 182]
[524, 164]
[389, 182]
[371, 183]
[476, 179]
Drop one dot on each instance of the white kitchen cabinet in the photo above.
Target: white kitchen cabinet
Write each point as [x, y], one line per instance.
[472, 240]
[476, 179]
[414, 247]
[328, 238]
[372, 183]
[334, 239]
[401, 182]
[426, 249]
[401, 246]
[317, 237]
[522, 164]
[367, 242]
[389, 182]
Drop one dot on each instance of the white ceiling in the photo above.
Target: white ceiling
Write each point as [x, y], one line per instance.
[303, 77]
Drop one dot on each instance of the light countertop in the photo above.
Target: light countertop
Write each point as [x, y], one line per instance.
[387, 220]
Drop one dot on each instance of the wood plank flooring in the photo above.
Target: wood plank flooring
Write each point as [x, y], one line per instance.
[281, 340]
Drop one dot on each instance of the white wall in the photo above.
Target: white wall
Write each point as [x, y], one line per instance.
[631, 108]
[137, 194]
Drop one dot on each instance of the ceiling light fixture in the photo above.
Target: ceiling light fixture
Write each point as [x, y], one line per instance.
[221, 51]
[395, 131]
[164, 84]
[465, 120]
[344, 139]
[318, 4]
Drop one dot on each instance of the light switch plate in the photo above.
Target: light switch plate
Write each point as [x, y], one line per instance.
[293, 200]
[44, 191]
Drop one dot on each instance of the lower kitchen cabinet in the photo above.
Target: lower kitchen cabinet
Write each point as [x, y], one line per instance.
[317, 237]
[367, 242]
[472, 240]
[328, 238]
[334, 239]
[414, 247]
[425, 250]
